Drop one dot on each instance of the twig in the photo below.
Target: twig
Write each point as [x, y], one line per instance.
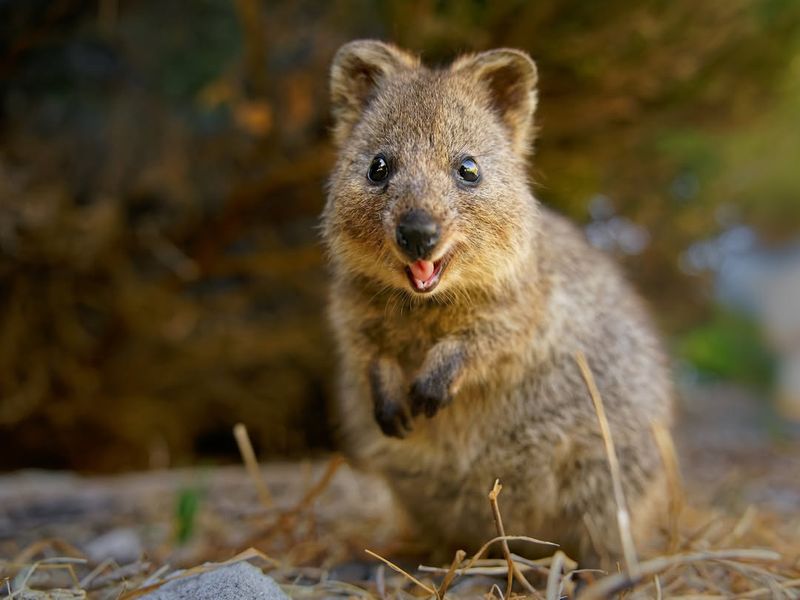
[496, 567]
[451, 573]
[554, 577]
[513, 571]
[744, 522]
[622, 581]
[669, 458]
[245, 555]
[57, 562]
[623, 517]
[250, 462]
[118, 574]
[311, 494]
[27, 554]
[108, 562]
[501, 531]
[499, 538]
[326, 589]
[766, 591]
[406, 574]
[543, 564]
[380, 582]
[499, 591]
[156, 575]
[491, 571]
[757, 574]
[285, 519]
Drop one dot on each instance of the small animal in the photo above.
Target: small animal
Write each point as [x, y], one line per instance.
[459, 303]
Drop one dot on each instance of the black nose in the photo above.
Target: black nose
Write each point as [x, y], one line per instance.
[417, 234]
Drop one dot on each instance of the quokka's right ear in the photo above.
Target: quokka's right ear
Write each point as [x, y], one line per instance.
[357, 70]
[509, 76]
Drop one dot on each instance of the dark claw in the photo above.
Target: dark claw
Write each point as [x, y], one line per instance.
[432, 390]
[392, 419]
[390, 415]
[428, 396]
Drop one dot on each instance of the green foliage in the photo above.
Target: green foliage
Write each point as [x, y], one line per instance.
[186, 509]
[729, 346]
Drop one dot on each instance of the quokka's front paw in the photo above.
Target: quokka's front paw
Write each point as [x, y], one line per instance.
[428, 395]
[393, 419]
[387, 382]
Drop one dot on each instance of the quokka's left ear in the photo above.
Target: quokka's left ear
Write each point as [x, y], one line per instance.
[358, 69]
[510, 78]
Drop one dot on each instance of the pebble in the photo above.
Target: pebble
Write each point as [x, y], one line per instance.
[237, 581]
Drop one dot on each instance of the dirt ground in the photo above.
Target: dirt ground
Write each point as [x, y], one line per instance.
[738, 463]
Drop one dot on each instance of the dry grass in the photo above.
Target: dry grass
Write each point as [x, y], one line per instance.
[623, 517]
[251, 464]
[701, 567]
[731, 573]
[706, 554]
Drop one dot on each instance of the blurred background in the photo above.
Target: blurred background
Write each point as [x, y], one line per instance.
[162, 169]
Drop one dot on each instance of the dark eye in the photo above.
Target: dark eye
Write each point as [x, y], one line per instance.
[378, 169]
[468, 170]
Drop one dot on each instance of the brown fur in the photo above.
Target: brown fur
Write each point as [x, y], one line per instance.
[477, 380]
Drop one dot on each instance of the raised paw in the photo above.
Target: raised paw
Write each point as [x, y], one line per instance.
[388, 402]
[393, 419]
[428, 395]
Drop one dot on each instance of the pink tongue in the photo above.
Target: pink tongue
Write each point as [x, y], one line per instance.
[421, 269]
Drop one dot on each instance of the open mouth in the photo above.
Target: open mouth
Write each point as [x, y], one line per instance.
[424, 275]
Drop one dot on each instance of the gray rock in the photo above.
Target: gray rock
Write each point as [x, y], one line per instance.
[123, 545]
[238, 581]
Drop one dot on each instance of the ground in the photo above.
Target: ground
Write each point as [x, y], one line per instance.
[741, 482]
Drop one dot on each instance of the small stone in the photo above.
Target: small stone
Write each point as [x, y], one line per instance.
[122, 545]
[237, 581]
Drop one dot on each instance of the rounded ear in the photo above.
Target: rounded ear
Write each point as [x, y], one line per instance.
[510, 78]
[357, 69]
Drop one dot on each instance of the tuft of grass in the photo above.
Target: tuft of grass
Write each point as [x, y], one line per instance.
[186, 509]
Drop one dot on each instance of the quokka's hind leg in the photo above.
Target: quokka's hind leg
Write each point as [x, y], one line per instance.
[591, 512]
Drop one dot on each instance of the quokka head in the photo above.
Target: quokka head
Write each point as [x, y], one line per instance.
[429, 192]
